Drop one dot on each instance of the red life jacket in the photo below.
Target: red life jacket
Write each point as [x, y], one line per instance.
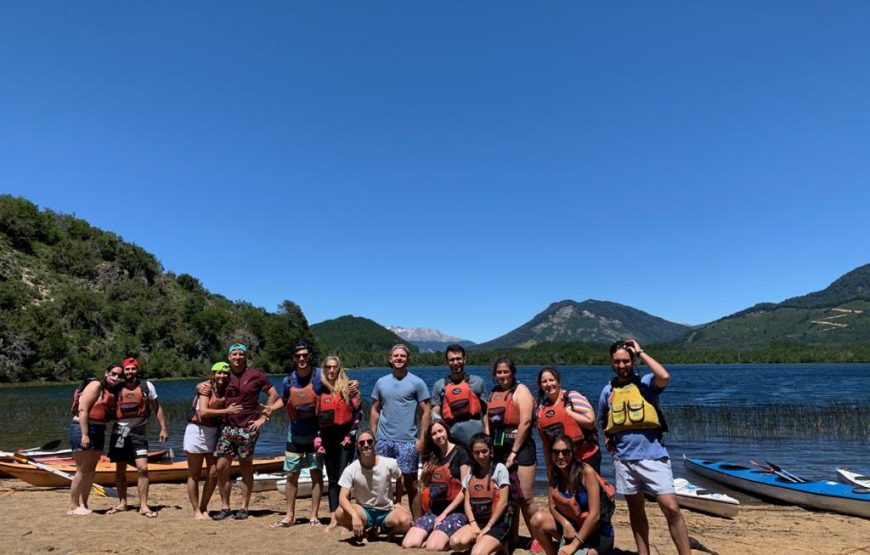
[501, 409]
[302, 402]
[459, 403]
[483, 496]
[554, 420]
[214, 402]
[442, 489]
[103, 408]
[133, 402]
[333, 410]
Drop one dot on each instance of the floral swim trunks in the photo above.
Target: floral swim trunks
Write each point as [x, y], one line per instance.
[449, 525]
[236, 442]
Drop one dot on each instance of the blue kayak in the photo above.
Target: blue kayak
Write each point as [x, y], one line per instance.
[822, 494]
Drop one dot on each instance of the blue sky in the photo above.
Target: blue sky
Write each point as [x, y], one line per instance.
[456, 165]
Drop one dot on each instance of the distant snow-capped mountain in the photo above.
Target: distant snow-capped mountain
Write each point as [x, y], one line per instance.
[428, 339]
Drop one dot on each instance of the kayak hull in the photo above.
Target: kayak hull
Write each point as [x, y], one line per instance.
[105, 472]
[819, 495]
[696, 498]
[65, 457]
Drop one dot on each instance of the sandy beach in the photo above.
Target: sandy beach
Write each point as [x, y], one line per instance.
[34, 521]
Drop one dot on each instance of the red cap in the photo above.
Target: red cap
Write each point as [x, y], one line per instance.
[131, 362]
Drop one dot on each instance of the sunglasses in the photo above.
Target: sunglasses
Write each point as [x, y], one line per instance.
[301, 355]
[560, 452]
[116, 374]
[330, 366]
[365, 442]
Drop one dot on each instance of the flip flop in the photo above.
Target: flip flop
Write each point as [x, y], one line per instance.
[114, 510]
[149, 514]
[281, 524]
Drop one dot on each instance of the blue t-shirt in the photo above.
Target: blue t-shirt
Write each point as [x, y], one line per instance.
[302, 431]
[399, 399]
[635, 445]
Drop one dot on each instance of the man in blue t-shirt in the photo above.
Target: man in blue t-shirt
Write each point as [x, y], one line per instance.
[634, 438]
[395, 399]
[299, 393]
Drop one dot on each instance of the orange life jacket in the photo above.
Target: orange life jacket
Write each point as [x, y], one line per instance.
[483, 496]
[554, 420]
[133, 402]
[214, 402]
[501, 409]
[302, 402]
[442, 489]
[103, 408]
[459, 403]
[333, 410]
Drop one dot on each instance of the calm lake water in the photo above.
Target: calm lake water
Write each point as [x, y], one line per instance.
[806, 418]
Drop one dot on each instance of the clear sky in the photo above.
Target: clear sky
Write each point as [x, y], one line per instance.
[456, 165]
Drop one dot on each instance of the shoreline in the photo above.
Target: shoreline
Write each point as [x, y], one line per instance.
[35, 521]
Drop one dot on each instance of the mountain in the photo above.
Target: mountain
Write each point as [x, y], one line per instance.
[429, 340]
[836, 315]
[354, 333]
[74, 298]
[591, 322]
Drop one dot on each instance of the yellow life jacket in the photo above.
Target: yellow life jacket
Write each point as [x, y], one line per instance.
[629, 410]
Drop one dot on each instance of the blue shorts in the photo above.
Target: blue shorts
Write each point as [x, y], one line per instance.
[97, 433]
[376, 517]
[405, 453]
[651, 475]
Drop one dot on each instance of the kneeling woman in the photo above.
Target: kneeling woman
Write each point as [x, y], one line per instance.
[486, 489]
[200, 438]
[580, 509]
[445, 467]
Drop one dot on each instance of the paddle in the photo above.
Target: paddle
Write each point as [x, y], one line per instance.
[96, 488]
[51, 445]
[775, 468]
[774, 471]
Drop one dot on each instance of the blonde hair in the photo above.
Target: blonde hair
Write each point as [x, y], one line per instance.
[341, 383]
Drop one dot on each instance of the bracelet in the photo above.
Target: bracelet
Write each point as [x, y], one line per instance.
[640, 352]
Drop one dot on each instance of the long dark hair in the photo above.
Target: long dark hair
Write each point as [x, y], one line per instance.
[431, 452]
[575, 469]
[480, 437]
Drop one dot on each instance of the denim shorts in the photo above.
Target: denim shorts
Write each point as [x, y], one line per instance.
[651, 475]
[97, 433]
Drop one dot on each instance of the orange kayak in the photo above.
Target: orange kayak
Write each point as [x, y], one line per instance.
[105, 472]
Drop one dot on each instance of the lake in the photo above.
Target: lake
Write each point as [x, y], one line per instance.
[807, 418]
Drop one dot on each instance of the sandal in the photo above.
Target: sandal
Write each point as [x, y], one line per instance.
[149, 514]
[114, 510]
[314, 522]
[281, 524]
[241, 514]
[222, 514]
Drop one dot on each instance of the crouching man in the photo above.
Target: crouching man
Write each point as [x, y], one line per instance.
[375, 483]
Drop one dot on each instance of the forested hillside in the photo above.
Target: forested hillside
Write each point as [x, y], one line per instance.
[74, 297]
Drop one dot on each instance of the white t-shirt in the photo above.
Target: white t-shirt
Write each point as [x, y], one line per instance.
[374, 487]
[137, 422]
[500, 476]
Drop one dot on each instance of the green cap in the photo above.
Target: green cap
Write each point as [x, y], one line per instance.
[220, 367]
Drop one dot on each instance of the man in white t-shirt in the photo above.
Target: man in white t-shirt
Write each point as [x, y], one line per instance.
[374, 482]
[136, 400]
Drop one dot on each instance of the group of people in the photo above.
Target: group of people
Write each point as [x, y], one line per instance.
[465, 457]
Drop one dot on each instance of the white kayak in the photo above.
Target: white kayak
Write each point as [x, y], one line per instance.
[265, 481]
[304, 484]
[853, 478]
[703, 500]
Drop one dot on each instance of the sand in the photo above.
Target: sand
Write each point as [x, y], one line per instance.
[34, 521]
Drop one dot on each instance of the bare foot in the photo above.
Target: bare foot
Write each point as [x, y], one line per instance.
[199, 515]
